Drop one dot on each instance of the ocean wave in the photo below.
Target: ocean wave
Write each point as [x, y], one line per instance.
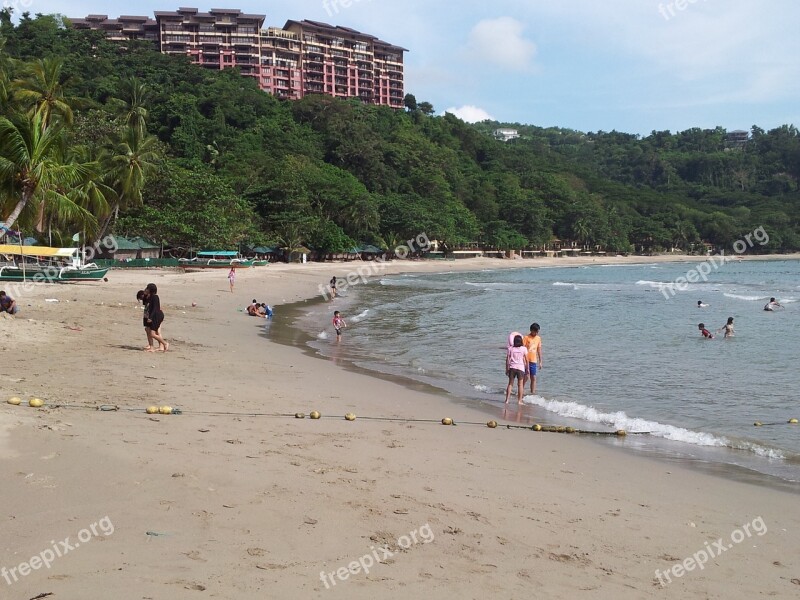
[563, 284]
[360, 316]
[486, 389]
[748, 298]
[322, 335]
[620, 420]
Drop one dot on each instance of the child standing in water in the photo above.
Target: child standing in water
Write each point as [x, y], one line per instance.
[516, 367]
[705, 332]
[338, 324]
[728, 327]
[533, 342]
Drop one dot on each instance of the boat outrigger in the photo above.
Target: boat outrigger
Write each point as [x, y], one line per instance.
[218, 259]
[64, 265]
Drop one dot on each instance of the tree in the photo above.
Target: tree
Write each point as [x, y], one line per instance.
[41, 89]
[31, 172]
[426, 108]
[410, 102]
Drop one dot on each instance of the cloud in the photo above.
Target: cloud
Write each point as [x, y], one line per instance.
[470, 114]
[500, 42]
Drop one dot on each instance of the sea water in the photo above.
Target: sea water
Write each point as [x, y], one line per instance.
[617, 352]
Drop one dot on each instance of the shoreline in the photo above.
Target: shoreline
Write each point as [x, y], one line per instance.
[289, 332]
[258, 506]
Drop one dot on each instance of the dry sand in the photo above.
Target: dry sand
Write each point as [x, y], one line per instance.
[255, 507]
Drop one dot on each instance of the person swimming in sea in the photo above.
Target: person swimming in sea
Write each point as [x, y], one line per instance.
[701, 304]
[772, 305]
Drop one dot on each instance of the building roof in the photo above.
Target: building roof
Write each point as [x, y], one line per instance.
[136, 243]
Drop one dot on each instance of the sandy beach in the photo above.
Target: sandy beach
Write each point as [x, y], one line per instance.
[237, 499]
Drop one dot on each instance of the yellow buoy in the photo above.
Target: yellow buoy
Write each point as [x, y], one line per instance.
[35, 403]
[350, 417]
[757, 424]
[299, 416]
[314, 414]
[491, 424]
[536, 427]
[15, 401]
[561, 429]
[792, 421]
[622, 433]
[447, 421]
[151, 410]
[570, 430]
[165, 410]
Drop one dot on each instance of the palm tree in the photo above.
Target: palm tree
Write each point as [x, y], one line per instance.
[128, 164]
[32, 171]
[134, 95]
[41, 89]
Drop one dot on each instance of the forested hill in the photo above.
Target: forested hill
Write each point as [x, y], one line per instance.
[203, 158]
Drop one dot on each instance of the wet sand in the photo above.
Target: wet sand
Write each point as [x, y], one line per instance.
[239, 506]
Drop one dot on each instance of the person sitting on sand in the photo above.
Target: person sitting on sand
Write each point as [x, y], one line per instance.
[516, 367]
[705, 332]
[155, 317]
[8, 304]
[252, 310]
[772, 305]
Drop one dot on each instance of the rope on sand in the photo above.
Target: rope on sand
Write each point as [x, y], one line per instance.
[315, 415]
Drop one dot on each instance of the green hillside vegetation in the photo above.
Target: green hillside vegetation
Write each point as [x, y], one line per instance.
[104, 137]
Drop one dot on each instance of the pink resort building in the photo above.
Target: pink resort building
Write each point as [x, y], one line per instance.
[304, 57]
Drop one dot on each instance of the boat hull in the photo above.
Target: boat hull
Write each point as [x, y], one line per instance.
[43, 274]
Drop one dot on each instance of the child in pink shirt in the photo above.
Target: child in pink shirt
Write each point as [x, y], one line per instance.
[516, 366]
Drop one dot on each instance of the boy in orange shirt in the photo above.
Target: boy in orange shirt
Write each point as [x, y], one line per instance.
[533, 343]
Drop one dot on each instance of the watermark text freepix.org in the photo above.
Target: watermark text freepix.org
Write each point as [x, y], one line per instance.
[703, 270]
[668, 11]
[713, 550]
[423, 535]
[46, 557]
[420, 243]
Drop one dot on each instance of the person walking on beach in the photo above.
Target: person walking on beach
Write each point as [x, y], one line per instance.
[155, 317]
[705, 332]
[141, 296]
[232, 277]
[772, 305]
[516, 367]
[728, 327]
[533, 342]
[333, 287]
[338, 325]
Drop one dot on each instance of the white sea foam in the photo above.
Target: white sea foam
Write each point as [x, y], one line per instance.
[322, 335]
[360, 316]
[485, 389]
[564, 284]
[620, 420]
[748, 298]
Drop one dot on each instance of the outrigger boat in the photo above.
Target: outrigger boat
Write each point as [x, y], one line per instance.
[69, 268]
[218, 259]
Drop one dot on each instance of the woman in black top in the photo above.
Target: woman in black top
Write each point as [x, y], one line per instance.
[141, 295]
[155, 316]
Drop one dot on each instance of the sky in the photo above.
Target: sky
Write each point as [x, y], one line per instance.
[590, 65]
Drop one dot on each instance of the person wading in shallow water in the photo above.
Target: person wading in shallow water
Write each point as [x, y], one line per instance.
[155, 317]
